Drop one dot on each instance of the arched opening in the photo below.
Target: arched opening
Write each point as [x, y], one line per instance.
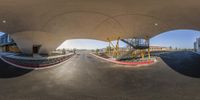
[176, 48]
[85, 45]
[118, 49]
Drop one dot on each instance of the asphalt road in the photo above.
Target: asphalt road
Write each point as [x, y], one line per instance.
[184, 62]
[85, 77]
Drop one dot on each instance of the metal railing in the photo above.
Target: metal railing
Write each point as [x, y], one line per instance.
[137, 43]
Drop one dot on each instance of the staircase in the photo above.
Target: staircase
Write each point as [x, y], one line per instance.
[136, 43]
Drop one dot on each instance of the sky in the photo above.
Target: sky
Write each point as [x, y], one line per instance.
[1, 33]
[176, 39]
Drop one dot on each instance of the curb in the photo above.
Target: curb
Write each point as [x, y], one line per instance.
[126, 63]
[38, 68]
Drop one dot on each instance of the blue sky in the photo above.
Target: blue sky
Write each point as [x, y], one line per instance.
[1, 33]
[176, 38]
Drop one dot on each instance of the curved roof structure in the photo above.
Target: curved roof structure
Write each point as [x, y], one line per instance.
[94, 19]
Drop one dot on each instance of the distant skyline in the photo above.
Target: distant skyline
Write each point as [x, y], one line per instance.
[176, 39]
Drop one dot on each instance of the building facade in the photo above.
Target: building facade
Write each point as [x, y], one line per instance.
[159, 48]
[7, 44]
[5, 38]
[197, 45]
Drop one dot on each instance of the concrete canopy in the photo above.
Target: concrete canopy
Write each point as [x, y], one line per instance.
[50, 22]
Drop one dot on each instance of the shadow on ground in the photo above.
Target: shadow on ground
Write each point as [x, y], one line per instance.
[184, 62]
[9, 71]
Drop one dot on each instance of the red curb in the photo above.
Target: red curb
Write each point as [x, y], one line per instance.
[126, 63]
[133, 63]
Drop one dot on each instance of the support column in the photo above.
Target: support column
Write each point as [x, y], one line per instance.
[149, 54]
[109, 50]
[134, 54]
[142, 54]
[115, 47]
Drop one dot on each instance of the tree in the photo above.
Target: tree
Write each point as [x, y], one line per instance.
[97, 51]
[63, 51]
[108, 49]
[170, 47]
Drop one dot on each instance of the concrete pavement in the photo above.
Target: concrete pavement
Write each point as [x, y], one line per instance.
[85, 77]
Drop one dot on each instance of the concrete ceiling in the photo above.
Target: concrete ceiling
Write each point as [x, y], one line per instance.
[98, 19]
[51, 22]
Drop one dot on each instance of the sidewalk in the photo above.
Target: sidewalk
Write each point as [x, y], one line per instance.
[36, 58]
[34, 63]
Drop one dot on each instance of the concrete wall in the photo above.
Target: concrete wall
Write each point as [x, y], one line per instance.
[26, 40]
[197, 45]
